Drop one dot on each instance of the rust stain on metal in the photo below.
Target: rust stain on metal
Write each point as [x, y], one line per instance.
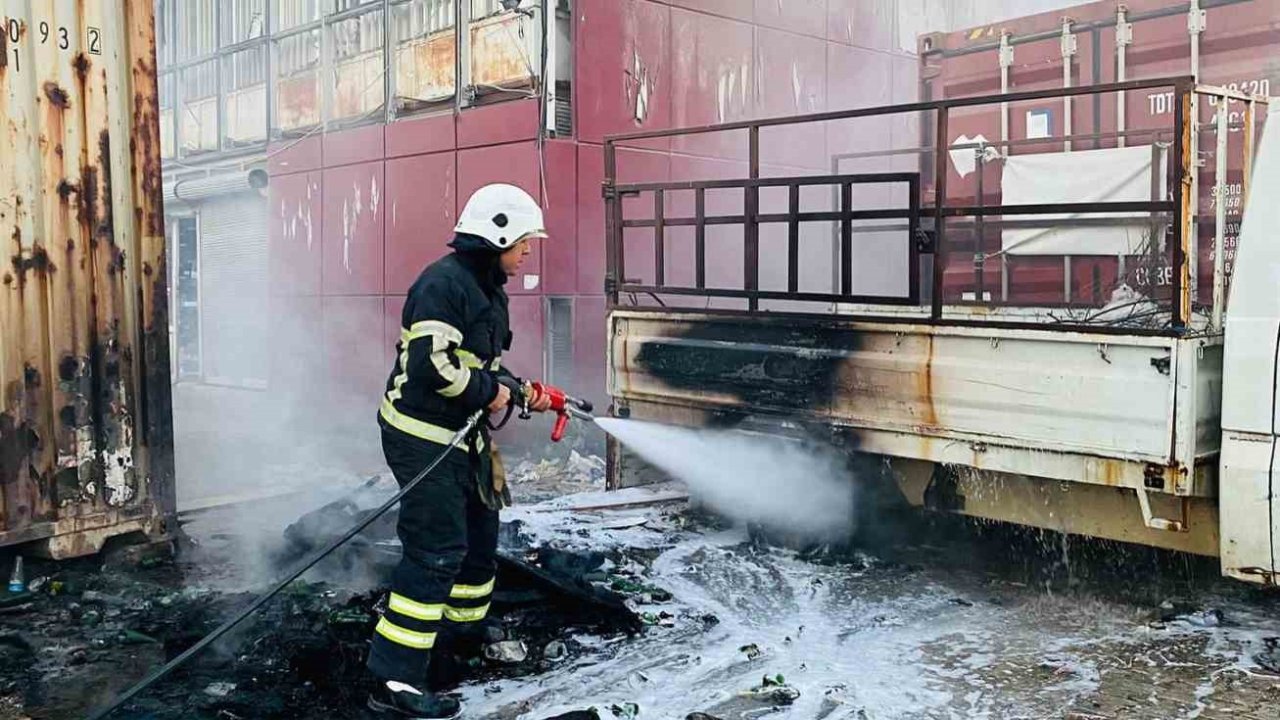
[56, 95]
[144, 142]
[88, 200]
[926, 386]
[106, 221]
[81, 65]
[1112, 472]
[425, 68]
[496, 58]
[73, 468]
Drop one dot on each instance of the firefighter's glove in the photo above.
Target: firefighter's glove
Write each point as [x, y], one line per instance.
[538, 401]
[501, 400]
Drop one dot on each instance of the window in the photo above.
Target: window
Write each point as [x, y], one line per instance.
[290, 14]
[426, 52]
[165, 12]
[505, 47]
[168, 141]
[343, 5]
[297, 89]
[198, 117]
[244, 80]
[255, 70]
[198, 27]
[481, 9]
[358, 67]
[243, 20]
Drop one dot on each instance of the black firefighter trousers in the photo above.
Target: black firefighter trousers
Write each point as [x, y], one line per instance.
[446, 572]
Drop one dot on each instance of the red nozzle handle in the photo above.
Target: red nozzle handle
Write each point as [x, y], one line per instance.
[562, 423]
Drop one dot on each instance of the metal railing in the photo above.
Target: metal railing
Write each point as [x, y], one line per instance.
[751, 220]
[1172, 209]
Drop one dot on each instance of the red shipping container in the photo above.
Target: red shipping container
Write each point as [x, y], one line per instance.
[1238, 41]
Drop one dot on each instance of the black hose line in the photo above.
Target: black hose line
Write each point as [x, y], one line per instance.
[222, 629]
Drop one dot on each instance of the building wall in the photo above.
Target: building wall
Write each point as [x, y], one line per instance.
[385, 197]
[353, 215]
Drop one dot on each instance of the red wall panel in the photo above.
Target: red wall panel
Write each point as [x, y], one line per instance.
[905, 130]
[422, 211]
[859, 78]
[623, 68]
[353, 229]
[352, 146]
[806, 17]
[294, 234]
[868, 24]
[432, 133]
[292, 156]
[560, 252]
[713, 81]
[525, 356]
[724, 243]
[516, 164]
[501, 122]
[737, 9]
[793, 73]
[633, 166]
[392, 307]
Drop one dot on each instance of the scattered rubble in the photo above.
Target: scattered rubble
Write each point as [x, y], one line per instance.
[626, 711]
[219, 689]
[1269, 658]
[507, 652]
[537, 480]
[555, 650]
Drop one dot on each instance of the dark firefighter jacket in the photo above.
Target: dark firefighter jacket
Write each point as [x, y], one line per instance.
[453, 330]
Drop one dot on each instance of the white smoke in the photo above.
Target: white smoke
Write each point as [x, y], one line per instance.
[782, 484]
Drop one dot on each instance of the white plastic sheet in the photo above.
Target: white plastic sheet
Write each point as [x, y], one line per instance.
[1112, 175]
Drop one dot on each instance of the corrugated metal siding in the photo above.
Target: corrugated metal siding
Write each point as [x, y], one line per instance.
[233, 290]
[85, 411]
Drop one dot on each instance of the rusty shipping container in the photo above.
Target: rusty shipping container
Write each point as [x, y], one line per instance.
[1228, 43]
[86, 420]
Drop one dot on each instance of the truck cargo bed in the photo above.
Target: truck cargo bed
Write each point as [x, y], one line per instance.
[1125, 411]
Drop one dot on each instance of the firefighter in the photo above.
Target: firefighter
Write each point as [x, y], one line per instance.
[454, 329]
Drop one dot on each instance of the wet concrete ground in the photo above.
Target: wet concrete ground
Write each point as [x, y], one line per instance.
[944, 620]
[925, 632]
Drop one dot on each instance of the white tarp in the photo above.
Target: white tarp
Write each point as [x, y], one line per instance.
[1115, 175]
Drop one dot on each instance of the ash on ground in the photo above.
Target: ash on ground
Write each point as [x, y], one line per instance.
[633, 605]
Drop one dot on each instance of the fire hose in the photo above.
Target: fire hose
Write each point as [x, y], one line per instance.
[562, 404]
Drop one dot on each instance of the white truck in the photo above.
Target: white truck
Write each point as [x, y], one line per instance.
[1148, 418]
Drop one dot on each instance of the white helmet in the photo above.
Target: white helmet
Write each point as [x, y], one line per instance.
[503, 215]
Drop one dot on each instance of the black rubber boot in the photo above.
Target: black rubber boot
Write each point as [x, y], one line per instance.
[397, 700]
